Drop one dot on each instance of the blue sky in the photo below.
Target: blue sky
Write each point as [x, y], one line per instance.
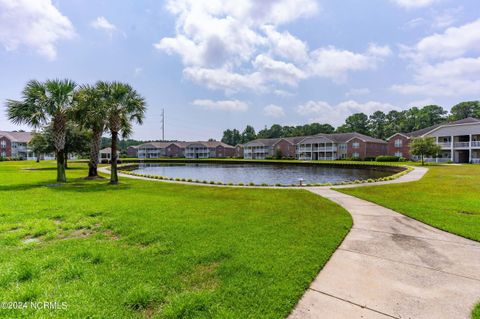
[221, 64]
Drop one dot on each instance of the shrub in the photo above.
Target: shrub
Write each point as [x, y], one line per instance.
[369, 159]
[387, 158]
[251, 184]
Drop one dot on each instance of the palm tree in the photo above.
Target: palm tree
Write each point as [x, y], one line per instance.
[42, 104]
[91, 113]
[125, 106]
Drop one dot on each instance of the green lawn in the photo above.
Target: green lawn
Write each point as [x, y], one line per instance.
[158, 250]
[476, 312]
[447, 197]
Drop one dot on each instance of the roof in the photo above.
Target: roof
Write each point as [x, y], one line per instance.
[264, 141]
[21, 137]
[423, 131]
[106, 150]
[336, 137]
[345, 137]
[209, 144]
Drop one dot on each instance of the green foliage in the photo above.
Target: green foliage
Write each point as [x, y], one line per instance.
[387, 158]
[465, 109]
[424, 147]
[152, 249]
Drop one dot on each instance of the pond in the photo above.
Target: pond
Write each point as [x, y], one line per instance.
[285, 174]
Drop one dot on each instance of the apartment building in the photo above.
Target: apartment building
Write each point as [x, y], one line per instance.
[209, 149]
[15, 145]
[317, 147]
[459, 140]
[340, 146]
[271, 147]
[199, 149]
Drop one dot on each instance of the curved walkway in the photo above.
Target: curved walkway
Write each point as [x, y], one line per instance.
[392, 266]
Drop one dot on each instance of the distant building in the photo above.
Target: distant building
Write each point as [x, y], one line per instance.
[105, 155]
[238, 151]
[15, 145]
[459, 140]
[317, 147]
[200, 149]
[271, 147]
[132, 151]
[210, 149]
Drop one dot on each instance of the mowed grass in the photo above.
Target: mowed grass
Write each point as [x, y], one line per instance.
[447, 197]
[158, 250]
[476, 312]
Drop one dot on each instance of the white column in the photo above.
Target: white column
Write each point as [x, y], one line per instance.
[451, 149]
[470, 148]
[436, 160]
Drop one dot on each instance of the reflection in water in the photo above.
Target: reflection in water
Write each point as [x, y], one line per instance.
[259, 173]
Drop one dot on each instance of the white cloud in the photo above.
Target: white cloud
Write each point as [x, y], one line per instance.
[283, 93]
[33, 23]
[323, 112]
[449, 78]
[237, 46]
[286, 45]
[413, 4]
[224, 105]
[377, 50]
[356, 92]
[278, 71]
[225, 80]
[335, 64]
[453, 43]
[445, 64]
[101, 23]
[273, 111]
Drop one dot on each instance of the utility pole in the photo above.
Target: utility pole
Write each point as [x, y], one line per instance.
[163, 124]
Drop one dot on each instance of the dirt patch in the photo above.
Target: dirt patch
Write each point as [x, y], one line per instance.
[111, 235]
[466, 213]
[30, 240]
[203, 277]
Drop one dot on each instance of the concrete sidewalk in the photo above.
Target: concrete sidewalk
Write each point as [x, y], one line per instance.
[391, 266]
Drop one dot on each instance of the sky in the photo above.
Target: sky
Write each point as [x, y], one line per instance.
[221, 64]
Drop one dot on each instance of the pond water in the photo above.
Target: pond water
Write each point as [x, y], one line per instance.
[260, 173]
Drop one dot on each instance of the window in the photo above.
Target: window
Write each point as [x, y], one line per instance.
[342, 147]
[3, 143]
[398, 143]
[355, 155]
[4, 154]
[399, 154]
[356, 145]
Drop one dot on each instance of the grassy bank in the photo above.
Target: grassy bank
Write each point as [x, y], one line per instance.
[446, 198]
[159, 250]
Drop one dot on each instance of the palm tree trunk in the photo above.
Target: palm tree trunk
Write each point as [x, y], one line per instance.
[59, 135]
[94, 153]
[113, 156]
[61, 177]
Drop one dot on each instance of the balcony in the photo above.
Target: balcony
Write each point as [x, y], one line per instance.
[475, 160]
[461, 144]
[445, 144]
[475, 143]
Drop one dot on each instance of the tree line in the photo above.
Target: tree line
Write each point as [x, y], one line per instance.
[65, 111]
[379, 124]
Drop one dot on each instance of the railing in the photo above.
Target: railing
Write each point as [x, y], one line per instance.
[475, 143]
[461, 144]
[445, 144]
[475, 160]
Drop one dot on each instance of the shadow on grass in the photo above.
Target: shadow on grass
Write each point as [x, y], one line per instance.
[50, 169]
[79, 185]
